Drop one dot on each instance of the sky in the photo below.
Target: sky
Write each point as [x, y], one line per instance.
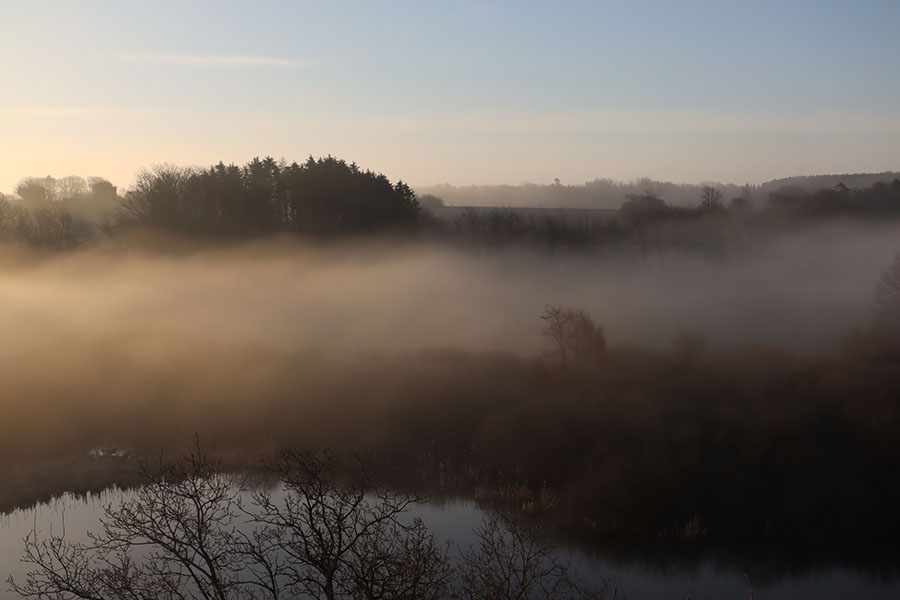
[461, 92]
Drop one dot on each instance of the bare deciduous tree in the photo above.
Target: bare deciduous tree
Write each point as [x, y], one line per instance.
[575, 337]
[186, 534]
[58, 229]
[182, 524]
[711, 199]
[400, 563]
[8, 217]
[512, 561]
[887, 300]
[334, 535]
[327, 535]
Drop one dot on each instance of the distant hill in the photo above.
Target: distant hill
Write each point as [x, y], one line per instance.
[610, 194]
[812, 183]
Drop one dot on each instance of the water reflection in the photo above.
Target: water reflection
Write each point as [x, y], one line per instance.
[70, 513]
[660, 572]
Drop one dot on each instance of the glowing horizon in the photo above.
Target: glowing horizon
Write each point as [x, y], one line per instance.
[471, 94]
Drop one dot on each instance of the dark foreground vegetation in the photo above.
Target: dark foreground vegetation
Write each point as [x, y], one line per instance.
[328, 532]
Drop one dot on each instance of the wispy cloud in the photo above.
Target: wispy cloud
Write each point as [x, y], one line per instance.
[216, 60]
[61, 111]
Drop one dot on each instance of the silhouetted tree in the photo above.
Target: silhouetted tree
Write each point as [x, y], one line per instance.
[576, 339]
[58, 229]
[37, 192]
[329, 196]
[180, 536]
[260, 210]
[8, 217]
[324, 197]
[332, 536]
[181, 523]
[70, 186]
[511, 562]
[157, 198]
[328, 533]
[711, 199]
[887, 301]
[102, 190]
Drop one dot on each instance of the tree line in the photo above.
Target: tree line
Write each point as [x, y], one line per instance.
[647, 223]
[608, 193]
[324, 196]
[328, 198]
[319, 197]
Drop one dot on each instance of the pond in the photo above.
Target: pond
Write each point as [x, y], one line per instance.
[455, 520]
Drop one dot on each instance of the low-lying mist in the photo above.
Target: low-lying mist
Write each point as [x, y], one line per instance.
[185, 339]
[802, 292]
[426, 356]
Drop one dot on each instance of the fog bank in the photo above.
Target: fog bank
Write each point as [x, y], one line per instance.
[803, 293]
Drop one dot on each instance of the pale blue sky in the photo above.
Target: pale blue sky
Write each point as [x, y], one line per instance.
[490, 92]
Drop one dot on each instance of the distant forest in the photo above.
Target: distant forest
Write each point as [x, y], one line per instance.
[319, 197]
[609, 194]
[328, 198]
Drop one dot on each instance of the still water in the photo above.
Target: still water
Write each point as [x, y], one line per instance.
[455, 521]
